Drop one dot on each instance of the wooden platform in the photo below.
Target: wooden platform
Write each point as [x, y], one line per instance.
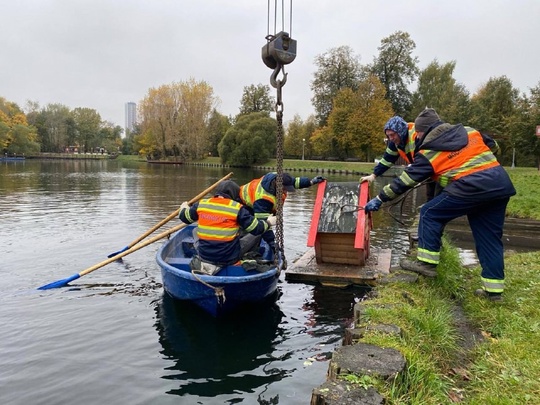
[307, 270]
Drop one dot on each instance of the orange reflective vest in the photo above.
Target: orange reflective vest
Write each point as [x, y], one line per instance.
[253, 191]
[449, 166]
[407, 153]
[218, 219]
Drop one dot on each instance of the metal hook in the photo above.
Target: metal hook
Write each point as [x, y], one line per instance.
[273, 78]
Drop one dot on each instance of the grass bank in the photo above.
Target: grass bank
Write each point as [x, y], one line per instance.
[461, 348]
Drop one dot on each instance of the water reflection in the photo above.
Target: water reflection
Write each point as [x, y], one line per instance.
[220, 356]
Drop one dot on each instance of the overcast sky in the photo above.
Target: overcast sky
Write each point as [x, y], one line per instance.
[101, 54]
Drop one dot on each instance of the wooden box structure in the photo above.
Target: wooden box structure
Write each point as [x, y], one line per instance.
[340, 227]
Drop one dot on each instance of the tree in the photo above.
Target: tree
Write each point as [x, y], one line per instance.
[54, 126]
[338, 68]
[218, 124]
[493, 110]
[297, 138]
[87, 123]
[174, 119]
[523, 126]
[396, 68]
[110, 137]
[256, 99]
[438, 89]
[16, 136]
[356, 121]
[251, 140]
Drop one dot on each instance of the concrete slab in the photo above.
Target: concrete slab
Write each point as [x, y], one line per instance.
[306, 270]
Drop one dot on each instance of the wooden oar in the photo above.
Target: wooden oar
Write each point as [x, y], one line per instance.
[65, 281]
[171, 216]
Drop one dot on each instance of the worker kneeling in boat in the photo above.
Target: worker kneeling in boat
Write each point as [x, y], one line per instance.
[220, 220]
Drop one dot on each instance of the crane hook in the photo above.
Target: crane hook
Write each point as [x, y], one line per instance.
[277, 84]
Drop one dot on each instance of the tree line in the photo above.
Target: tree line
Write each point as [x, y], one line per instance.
[351, 102]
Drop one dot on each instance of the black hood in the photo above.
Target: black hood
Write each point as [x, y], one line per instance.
[228, 189]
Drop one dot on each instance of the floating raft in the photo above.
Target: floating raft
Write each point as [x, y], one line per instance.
[338, 240]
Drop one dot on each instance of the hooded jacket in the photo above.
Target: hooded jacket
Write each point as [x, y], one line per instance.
[220, 219]
[262, 198]
[460, 159]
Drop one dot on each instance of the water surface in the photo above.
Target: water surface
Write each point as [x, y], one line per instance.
[111, 336]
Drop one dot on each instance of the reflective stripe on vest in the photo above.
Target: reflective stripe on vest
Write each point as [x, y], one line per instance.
[449, 166]
[217, 219]
[253, 191]
[408, 153]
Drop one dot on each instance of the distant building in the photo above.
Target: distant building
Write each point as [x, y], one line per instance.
[131, 117]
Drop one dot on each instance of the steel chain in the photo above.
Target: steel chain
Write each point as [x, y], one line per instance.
[280, 247]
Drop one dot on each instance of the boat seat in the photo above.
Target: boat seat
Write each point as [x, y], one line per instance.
[188, 246]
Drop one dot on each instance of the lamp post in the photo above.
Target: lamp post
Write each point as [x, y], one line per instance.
[303, 144]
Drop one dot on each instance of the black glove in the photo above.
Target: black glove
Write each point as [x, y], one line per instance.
[317, 180]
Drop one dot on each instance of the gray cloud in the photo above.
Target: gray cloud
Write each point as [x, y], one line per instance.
[101, 54]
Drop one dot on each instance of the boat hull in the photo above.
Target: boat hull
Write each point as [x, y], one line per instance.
[236, 286]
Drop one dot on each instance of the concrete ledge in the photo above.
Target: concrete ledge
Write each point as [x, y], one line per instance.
[366, 359]
[341, 393]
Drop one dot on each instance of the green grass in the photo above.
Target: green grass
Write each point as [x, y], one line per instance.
[503, 368]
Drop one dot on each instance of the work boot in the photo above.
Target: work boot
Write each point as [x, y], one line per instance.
[416, 266]
[494, 297]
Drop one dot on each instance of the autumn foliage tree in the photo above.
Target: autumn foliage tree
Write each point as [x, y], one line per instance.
[337, 69]
[356, 122]
[174, 119]
[16, 136]
[298, 136]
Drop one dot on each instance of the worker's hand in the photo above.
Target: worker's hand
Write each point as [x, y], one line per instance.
[271, 221]
[369, 178]
[317, 180]
[185, 205]
[373, 205]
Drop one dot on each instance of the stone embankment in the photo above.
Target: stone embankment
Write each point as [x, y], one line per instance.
[361, 359]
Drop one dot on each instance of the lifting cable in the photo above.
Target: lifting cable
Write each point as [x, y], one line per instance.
[279, 50]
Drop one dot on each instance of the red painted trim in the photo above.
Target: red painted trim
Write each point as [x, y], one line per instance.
[362, 220]
[315, 216]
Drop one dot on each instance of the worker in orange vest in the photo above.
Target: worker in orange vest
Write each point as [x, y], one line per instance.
[475, 185]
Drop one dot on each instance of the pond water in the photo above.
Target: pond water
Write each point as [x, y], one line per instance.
[111, 336]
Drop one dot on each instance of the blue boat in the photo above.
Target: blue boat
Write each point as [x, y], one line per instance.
[231, 288]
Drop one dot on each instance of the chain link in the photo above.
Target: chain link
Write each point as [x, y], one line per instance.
[280, 247]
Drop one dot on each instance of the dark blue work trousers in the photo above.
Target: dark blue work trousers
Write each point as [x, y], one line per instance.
[486, 219]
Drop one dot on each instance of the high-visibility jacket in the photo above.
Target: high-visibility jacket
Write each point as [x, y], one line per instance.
[449, 166]
[254, 191]
[259, 194]
[217, 219]
[220, 220]
[393, 152]
[450, 154]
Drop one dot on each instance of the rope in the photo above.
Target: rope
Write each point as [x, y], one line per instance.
[218, 291]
